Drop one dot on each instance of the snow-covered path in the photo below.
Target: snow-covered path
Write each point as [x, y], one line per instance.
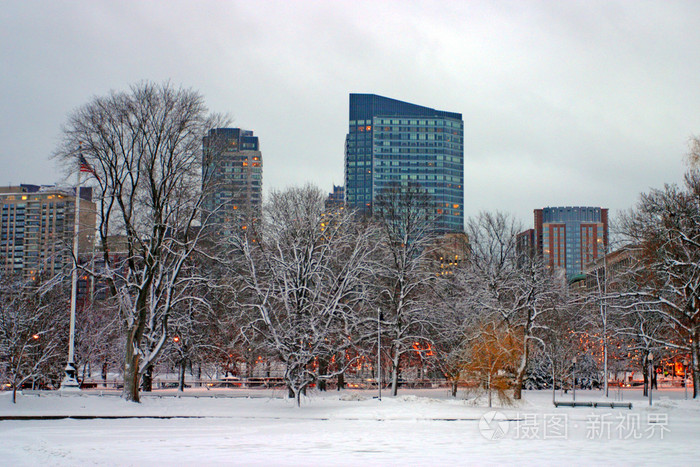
[422, 428]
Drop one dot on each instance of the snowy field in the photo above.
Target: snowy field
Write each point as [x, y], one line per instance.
[418, 427]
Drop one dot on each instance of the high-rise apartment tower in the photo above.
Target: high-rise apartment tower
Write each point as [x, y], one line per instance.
[37, 228]
[571, 237]
[393, 143]
[232, 179]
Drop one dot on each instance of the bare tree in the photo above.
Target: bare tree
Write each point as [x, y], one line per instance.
[563, 336]
[665, 227]
[406, 223]
[519, 292]
[454, 325]
[196, 330]
[299, 282]
[644, 329]
[96, 337]
[144, 146]
[32, 331]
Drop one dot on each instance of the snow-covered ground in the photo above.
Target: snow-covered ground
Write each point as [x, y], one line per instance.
[419, 427]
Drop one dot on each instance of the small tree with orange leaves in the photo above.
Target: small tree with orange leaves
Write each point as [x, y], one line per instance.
[491, 357]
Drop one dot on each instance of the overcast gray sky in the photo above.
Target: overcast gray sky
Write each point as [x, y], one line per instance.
[564, 103]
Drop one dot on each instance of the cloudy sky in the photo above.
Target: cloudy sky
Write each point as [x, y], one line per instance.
[564, 102]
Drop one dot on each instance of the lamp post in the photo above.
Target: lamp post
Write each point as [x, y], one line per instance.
[650, 358]
[554, 381]
[573, 382]
[604, 313]
[685, 376]
[70, 380]
[379, 351]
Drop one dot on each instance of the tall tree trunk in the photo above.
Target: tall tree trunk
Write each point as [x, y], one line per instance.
[82, 379]
[322, 371]
[520, 374]
[394, 373]
[554, 384]
[341, 376]
[522, 368]
[131, 370]
[249, 366]
[341, 381]
[181, 375]
[295, 385]
[488, 384]
[147, 379]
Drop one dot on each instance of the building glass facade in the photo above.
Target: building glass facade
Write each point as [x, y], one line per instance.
[390, 142]
[570, 238]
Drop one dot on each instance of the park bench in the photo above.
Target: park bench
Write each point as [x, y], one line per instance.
[612, 405]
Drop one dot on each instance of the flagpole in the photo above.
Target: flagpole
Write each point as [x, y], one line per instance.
[70, 380]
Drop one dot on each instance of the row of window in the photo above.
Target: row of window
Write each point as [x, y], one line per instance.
[384, 131]
[416, 162]
[408, 121]
[437, 142]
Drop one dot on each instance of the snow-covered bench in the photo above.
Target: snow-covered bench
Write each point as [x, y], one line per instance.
[612, 405]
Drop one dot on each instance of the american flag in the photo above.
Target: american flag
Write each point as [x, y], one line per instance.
[85, 167]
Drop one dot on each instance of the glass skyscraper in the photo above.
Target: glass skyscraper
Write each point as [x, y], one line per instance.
[394, 143]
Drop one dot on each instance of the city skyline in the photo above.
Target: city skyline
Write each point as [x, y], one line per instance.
[563, 103]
